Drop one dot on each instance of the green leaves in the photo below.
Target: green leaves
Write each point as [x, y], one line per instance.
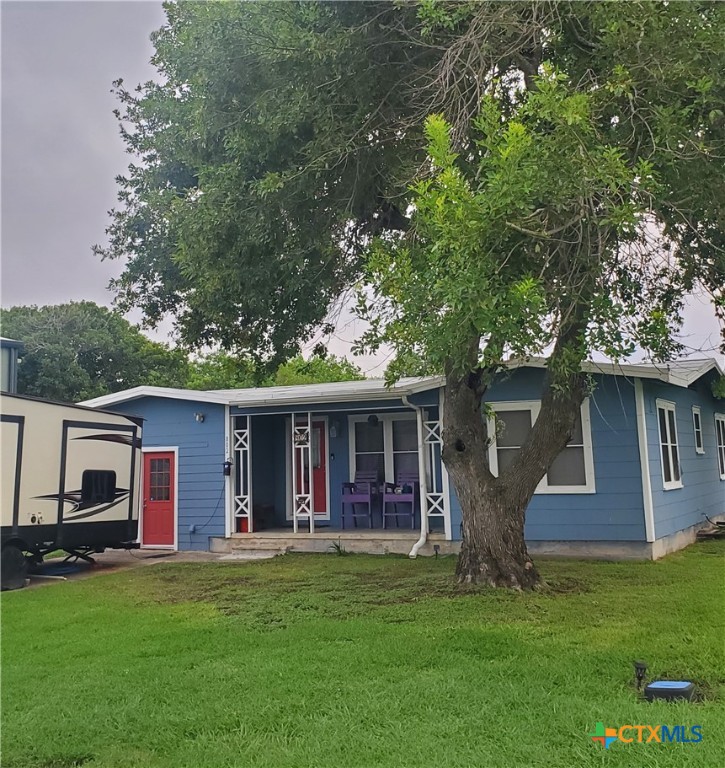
[79, 350]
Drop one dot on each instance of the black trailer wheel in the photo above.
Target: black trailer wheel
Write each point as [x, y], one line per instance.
[14, 567]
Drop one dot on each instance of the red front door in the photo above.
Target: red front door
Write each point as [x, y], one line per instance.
[159, 478]
[319, 469]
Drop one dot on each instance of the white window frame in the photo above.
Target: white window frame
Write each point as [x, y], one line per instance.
[534, 406]
[669, 407]
[386, 419]
[697, 427]
[720, 445]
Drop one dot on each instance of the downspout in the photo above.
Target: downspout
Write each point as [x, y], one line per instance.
[423, 479]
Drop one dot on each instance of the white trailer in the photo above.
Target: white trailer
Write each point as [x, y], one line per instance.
[70, 481]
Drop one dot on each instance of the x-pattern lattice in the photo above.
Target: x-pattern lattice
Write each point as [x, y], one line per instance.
[435, 504]
[241, 439]
[303, 504]
[432, 432]
[241, 505]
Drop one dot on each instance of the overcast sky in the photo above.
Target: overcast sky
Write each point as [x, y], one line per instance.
[61, 150]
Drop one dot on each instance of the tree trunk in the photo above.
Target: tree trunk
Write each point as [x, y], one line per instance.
[493, 550]
[494, 508]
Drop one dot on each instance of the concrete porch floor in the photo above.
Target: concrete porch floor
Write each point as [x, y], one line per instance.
[375, 541]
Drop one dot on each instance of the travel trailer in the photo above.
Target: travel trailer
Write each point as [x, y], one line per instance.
[70, 480]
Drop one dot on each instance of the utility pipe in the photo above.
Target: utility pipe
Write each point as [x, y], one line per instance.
[423, 480]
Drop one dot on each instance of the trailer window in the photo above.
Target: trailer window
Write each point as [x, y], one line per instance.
[98, 486]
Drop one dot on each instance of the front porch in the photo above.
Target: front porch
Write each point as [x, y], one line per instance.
[375, 542]
[291, 470]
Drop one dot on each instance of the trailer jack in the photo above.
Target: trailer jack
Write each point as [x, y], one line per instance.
[83, 553]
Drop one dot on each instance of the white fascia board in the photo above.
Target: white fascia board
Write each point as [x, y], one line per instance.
[136, 393]
[662, 373]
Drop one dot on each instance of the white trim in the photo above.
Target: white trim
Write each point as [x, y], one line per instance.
[288, 468]
[681, 373]
[447, 525]
[697, 411]
[386, 420]
[720, 417]
[228, 479]
[648, 504]
[169, 393]
[669, 407]
[534, 407]
[161, 449]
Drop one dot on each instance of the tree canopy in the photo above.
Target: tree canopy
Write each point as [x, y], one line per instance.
[80, 350]
[283, 135]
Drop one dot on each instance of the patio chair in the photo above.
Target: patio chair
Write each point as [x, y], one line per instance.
[361, 493]
[403, 493]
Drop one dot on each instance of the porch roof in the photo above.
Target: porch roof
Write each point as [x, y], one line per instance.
[349, 391]
[338, 391]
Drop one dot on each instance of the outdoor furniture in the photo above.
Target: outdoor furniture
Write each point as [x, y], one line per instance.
[361, 493]
[403, 493]
[355, 496]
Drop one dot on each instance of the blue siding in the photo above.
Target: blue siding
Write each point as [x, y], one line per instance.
[201, 456]
[703, 493]
[616, 511]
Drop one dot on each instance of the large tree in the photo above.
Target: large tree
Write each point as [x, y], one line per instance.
[79, 350]
[570, 195]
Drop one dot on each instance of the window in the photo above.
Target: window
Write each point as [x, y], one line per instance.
[572, 471]
[666, 419]
[405, 447]
[697, 424]
[720, 440]
[370, 447]
[389, 446]
[160, 480]
[98, 486]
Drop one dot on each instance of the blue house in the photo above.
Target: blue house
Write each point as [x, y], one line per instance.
[278, 468]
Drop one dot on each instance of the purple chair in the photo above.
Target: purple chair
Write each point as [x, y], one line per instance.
[408, 486]
[363, 492]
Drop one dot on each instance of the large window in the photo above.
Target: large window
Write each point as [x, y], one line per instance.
[720, 440]
[572, 471]
[669, 451]
[387, 444]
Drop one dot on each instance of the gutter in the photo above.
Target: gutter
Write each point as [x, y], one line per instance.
[423, 480]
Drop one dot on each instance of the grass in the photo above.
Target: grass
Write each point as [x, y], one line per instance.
[359, 661]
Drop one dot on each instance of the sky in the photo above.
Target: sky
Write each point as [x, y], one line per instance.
[61, 151]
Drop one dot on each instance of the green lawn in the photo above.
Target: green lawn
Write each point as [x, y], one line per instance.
[359, 661]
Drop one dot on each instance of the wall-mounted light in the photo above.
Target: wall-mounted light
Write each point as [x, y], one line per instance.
[373, 420]
[199, 417]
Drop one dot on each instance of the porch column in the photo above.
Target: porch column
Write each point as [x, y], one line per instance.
[302, 500]
[243, 519]
[437, 493]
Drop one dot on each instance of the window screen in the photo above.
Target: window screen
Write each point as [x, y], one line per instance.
[370, 448]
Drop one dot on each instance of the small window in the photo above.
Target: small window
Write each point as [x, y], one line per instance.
[160, 480]
[98, 486]
[669, 452]
[697, 424]
[720, 438]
